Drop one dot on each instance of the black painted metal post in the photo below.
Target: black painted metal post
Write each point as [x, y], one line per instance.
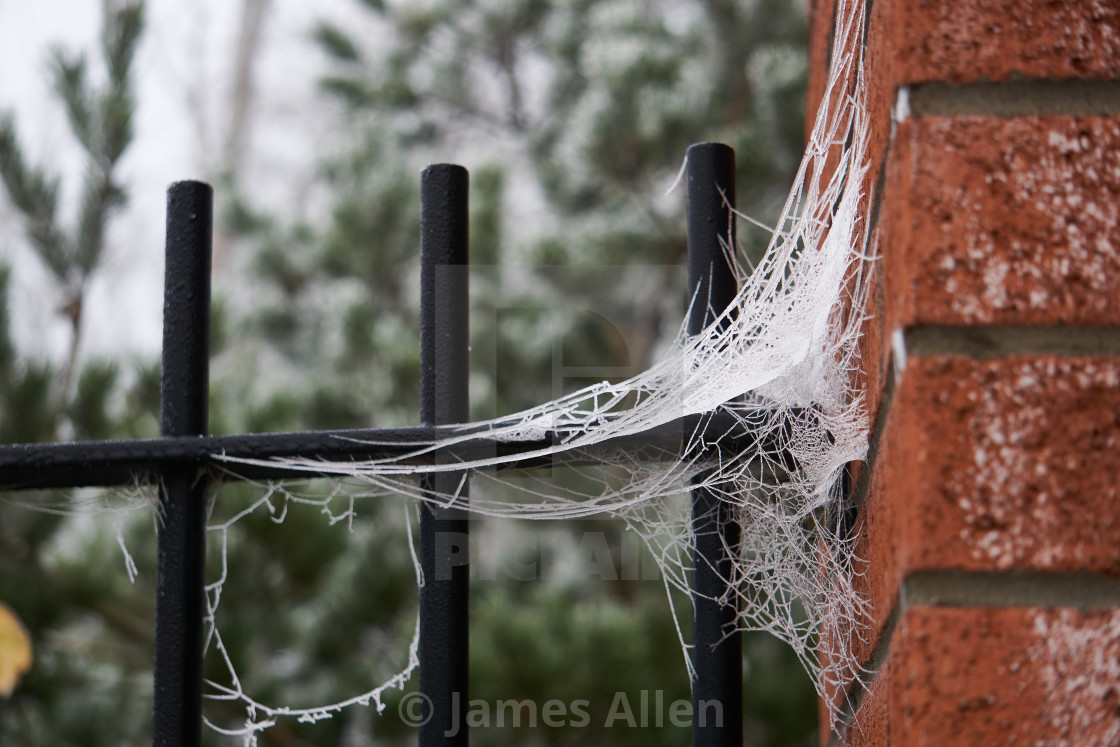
[444, 539]
[184, 391]
[717, 690]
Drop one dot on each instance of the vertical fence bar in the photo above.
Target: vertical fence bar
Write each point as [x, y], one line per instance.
[184, 390]
[444, 539]
[717, 690]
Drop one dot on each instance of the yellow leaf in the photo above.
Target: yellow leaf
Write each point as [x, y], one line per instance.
[15, 650]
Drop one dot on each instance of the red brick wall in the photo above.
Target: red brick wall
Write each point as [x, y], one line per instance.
[991, 502]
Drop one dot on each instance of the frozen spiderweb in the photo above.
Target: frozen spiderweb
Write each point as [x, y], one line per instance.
[780, 362]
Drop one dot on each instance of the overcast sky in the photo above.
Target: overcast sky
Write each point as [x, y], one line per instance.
[185, 59]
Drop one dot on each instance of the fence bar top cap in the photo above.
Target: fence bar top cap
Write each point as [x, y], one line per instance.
[714, 148]
[436, 168]
[189, 185]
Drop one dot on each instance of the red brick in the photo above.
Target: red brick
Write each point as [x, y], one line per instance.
[839, 95]
[881, 563]
[967, 40]
[879, 65]
[870, 379]
[875, 340]
[990, 221]
[1006, 464]
[871, 725]
[1014, 676]
[823, 27]
[820, 15]
[992, 466]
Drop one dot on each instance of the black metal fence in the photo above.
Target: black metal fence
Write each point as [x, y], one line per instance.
[180, 459]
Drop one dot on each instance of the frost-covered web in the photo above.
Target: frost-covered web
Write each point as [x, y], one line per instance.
[781, 362]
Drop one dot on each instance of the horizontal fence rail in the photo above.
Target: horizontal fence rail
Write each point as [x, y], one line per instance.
[109, 463]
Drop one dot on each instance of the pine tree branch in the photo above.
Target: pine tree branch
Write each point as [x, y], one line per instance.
[35, 194]
[70, 84]
[105, 133]
[123, 23]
